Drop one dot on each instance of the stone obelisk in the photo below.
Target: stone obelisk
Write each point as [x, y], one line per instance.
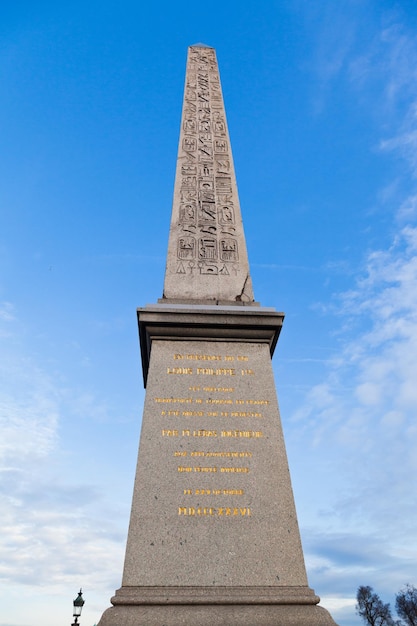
[213, 537]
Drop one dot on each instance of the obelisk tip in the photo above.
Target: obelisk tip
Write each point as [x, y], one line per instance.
[201, 45]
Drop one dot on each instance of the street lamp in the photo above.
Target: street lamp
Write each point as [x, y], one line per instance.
[78, 607]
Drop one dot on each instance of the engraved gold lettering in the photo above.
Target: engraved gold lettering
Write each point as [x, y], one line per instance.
[170, 433]
[179, 400]
[216, 492]
[249, 434]
[221, 371]
[190, 511]
[204, 433]
[229, 455]
[234, 470]
[198, 357]
[179, 370]
[245, 414]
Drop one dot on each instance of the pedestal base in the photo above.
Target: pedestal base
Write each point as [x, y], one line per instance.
[222, 606]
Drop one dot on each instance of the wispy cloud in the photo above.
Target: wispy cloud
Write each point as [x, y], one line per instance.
[52, 530]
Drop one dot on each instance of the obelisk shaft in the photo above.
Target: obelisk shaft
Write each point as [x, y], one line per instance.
[207, 258]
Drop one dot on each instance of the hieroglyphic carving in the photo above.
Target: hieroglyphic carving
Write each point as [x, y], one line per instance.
[228, 250]
[188, 213]
[206, 221]
[186, 248]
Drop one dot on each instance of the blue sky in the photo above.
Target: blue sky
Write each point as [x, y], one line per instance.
[321, 99]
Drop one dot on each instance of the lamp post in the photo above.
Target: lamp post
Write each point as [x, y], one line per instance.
[78, 607]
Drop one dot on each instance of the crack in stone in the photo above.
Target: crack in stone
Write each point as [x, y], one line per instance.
[242, 293]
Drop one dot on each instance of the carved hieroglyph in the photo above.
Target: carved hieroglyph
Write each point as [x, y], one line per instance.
[207, 258]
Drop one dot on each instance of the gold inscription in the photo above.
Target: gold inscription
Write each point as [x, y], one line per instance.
[199, 433]
[228, 455]
[207, 470]
[170, 433]
[180, 400]
[213, 470]
[212, 511]
[220, 371]
[214, 492]
[256, 434]
[218, 389]
[198, 357]
[179, 370]
[208, 357]
[211, 400]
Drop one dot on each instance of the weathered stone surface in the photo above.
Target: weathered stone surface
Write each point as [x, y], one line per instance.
[217, 615]
[212, 484]
[216, 606]
[207, 256]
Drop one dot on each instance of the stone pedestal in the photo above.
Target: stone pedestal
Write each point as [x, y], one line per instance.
[232, 606]
[213, 536]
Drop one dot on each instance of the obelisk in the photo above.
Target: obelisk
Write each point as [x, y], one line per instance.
[213, 537]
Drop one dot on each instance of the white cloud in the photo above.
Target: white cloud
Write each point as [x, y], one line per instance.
[361, 419]
[52, 530]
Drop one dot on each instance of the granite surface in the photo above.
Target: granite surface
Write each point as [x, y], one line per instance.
[207, 257]
[213, 503]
